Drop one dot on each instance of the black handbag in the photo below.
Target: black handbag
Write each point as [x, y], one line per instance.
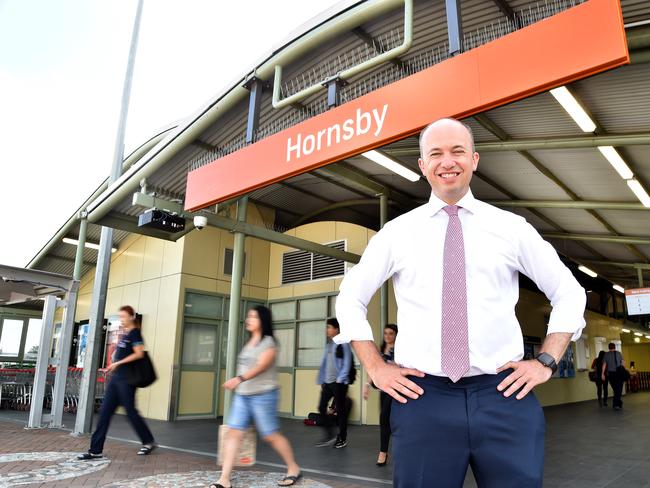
[593, 376]
[141, 373]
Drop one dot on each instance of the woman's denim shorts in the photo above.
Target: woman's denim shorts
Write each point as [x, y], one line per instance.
[261, 408]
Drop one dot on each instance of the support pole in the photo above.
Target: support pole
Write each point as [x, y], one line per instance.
[454, 26]
[235, 300]
[79, 257]
[63, 354]
[42, 364]
[83, 422]
[383, 297]
[639, 273]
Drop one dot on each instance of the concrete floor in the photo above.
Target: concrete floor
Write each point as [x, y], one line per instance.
[586, 446]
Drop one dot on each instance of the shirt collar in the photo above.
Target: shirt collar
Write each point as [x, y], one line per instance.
[468, 202]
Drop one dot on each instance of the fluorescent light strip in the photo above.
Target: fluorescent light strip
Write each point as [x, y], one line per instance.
[638, 334]
[647, 337]
[640, 192]
[627, 331]
[391, 164]
[619, 288]
[587, 271]
[574, 109]
[89, 245]
[616, 161]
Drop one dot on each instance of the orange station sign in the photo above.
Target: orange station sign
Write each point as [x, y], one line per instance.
[579, 42]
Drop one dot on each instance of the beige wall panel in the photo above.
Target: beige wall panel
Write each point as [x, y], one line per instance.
[114, 300]
[286, 393]
[152, 258]
[117, 273]
[223, 287]
[196, 393]
[83, 307]
[172, 256]
[134, 261]
[257, 262]
[202, 254]
[640, 354]
[313, 288]
[307, 392]
[131, 295]
[354, 392]
[194, 282]
[320, 232]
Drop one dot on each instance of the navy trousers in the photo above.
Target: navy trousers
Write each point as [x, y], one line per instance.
[118, 392]
[454, 426]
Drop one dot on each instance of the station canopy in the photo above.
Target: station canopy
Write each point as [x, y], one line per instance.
[535, 160]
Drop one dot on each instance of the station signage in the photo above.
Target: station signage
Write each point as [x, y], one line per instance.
[579, 42]
[637, 301]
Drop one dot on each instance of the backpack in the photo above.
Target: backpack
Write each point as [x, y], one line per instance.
[352, 374]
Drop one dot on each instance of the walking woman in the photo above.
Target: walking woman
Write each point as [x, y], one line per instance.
[256, 398]
[601, 384]
[118, 392]
[388, 355]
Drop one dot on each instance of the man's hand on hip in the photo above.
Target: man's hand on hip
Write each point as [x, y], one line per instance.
[393, 380]
[526, 376]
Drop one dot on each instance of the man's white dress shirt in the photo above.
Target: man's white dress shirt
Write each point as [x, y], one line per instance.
[498, 245]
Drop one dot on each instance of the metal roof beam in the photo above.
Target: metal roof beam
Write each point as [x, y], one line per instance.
[69, 260]
[127, 223]
[44, 278]
[645, 266]
[505, 8]
[580, 204]
[598, 238]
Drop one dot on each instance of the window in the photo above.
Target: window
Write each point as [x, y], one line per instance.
[283, 311]
[305, 266]
[227, 262]
[313, 308]
[199, 305]
[284, 338]
[311, 343]
[33, 339]
[199, 342]
[10, 336]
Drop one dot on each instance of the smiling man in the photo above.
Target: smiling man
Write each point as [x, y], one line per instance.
[462, 391]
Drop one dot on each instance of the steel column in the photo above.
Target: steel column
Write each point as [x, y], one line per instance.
[83, 422]
[334, 92]
[79, 257]
[254, 101]
[383, 292]
[64, 346]
[639, 273]
[235, 299]
[454, 26]
[42, 364]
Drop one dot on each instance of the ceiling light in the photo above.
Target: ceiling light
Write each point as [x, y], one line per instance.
[616, 161]
[392, 165]
[574, 109]
[636, 339]
[627, 331]
[640, 192]
[89, 245]
[587, 271]
[647, 337]
[619, 288]
[638, 334]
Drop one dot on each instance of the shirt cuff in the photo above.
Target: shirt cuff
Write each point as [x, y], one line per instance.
[360, 331]
[560, 325]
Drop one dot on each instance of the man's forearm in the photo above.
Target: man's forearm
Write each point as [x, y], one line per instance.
[368, 354]
[555, 344]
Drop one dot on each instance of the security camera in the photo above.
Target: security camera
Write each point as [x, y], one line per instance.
[200, 221]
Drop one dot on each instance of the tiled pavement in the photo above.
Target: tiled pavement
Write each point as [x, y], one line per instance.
[586, 447]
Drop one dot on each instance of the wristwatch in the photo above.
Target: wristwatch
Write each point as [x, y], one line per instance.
[547, 360]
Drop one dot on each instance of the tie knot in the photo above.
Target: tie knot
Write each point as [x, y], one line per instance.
[452, 210]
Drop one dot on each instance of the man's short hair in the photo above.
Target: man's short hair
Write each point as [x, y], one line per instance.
[334, 323]
[469, 129]
[612, 346]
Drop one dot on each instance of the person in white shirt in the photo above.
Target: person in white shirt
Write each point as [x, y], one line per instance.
[461, 389]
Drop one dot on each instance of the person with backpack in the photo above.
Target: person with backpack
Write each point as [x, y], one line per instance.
[613, 370]
[336, 373]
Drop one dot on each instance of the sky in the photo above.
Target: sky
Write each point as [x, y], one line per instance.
[62, 65]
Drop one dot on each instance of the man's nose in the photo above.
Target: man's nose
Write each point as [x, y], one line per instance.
[448, 162]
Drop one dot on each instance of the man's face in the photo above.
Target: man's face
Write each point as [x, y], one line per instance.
[331, 331]
[447, 160]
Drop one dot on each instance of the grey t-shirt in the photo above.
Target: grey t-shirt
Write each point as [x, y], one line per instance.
[248, 357]
[613, 360]
[330, 365]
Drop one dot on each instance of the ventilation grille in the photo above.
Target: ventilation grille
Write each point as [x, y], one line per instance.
[305, 266]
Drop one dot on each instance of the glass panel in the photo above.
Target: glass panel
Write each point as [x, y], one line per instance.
[309, 357]
[203, 305]
[55, 341]
[199, 344]
[332, 306]
[313, 308]
[311, 343]
[285, 340]
[12, 331]
[283, 311]
[33, 339]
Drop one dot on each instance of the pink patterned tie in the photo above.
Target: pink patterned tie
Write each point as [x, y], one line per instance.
[455, 345]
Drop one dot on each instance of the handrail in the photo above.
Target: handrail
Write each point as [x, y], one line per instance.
[368, 64]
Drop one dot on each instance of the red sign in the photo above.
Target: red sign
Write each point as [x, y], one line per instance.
[579, 42]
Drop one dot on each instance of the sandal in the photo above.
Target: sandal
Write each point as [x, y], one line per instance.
[146, 450]
[217, 485]
[290, 480]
